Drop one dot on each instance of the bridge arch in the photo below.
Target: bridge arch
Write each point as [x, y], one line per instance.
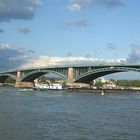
[3, 77]
[96, 73]
[31, 76]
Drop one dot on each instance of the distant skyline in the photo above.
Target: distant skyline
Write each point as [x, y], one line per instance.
[46, 29]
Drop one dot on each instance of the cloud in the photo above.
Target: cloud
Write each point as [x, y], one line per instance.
[23, 29]
[5, 46]
[78, 5]
[31, 51]
[1, 31]
[44, 61]
[134, 56]
[18, 9]
[81, 22]
[111, 46]
[11, 58]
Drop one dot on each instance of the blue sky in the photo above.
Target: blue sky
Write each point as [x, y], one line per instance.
[101, 29]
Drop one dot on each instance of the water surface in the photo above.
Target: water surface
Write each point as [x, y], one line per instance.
[52, 115]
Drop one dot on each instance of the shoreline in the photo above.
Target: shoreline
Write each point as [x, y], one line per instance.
[102, 90]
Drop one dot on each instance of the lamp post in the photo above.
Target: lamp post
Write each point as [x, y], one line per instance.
[69, 58]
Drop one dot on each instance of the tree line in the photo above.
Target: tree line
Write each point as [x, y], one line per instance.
[135, 83]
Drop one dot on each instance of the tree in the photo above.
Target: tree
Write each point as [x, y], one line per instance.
[98, 83]
[10, 80]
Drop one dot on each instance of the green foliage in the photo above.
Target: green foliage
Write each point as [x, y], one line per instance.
[10, 80]
[45, 79]
[135, 83]
[64, 83]
[42, 79]
[98, 84]
[91, 83]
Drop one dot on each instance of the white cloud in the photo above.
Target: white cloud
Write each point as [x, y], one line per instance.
[111, 46]
[78, 5]
[44, 61]
[134, 56]
[23, 29]
[5, 46]
[80, 22]
[74, 7]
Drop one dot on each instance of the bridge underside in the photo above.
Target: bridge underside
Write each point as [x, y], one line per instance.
[4, 77]
[32, 77]
[71, 74]
[93, 76]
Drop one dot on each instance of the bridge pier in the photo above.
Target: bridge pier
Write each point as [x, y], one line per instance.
[70, 75]
[19, 83]
[1, 84]
[24, 84]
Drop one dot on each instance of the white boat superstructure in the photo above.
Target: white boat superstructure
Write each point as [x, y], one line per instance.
[53, 86]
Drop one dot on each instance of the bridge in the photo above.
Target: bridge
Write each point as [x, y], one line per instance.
[82, 74]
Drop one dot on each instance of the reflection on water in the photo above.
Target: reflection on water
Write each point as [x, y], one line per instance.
[51, 115]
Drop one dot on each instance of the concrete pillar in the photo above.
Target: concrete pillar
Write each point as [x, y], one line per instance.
[70, 75]
[18, 78]
[22, 84]
[1, 84]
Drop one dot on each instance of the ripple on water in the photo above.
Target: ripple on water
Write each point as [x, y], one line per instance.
[69, 116]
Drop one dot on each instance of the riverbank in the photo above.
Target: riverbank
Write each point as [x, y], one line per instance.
[102, 90]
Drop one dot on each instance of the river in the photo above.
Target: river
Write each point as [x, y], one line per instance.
[52, 115]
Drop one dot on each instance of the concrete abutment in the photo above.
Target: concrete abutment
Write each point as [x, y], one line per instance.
[19, 83]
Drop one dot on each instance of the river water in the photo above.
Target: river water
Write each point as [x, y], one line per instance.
[52, 115]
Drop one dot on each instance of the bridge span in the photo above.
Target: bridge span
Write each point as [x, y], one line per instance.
[82, 74]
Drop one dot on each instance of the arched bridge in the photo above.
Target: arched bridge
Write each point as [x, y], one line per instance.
[83, 74]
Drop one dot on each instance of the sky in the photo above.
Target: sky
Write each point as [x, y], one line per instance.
[47, 32]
